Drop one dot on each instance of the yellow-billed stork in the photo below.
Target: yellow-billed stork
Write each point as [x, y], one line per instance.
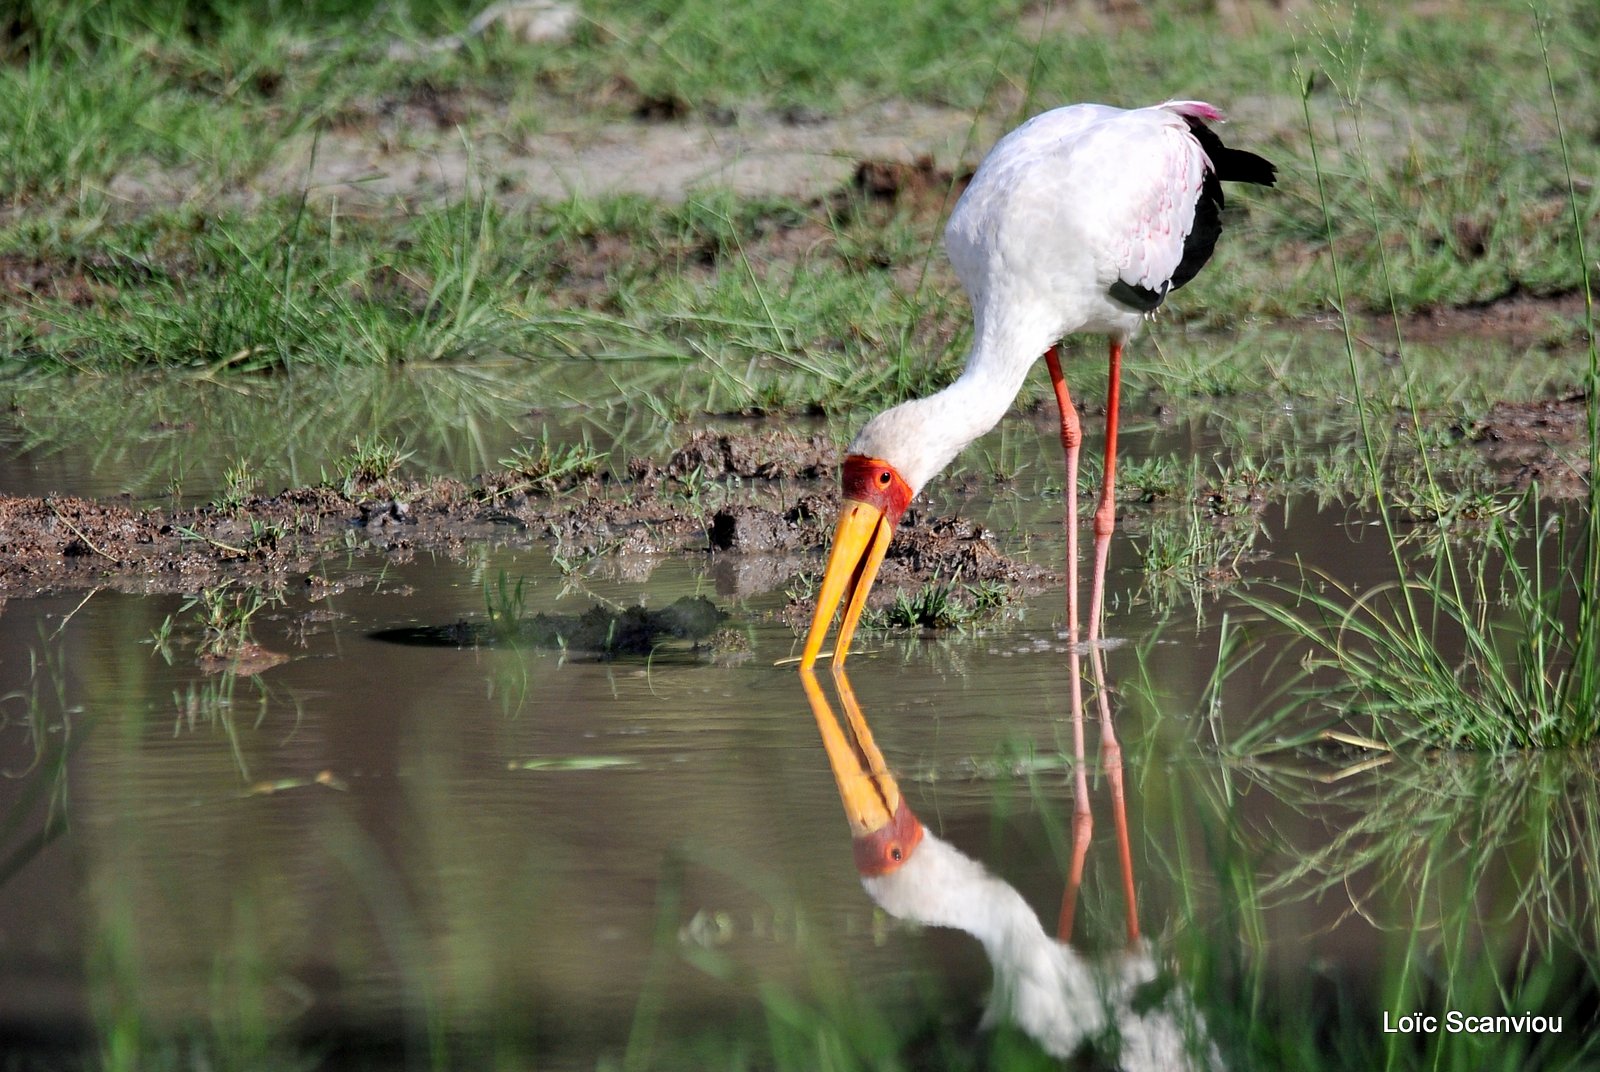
[1083, 219]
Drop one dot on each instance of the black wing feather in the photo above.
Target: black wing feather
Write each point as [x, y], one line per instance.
[1227, 165]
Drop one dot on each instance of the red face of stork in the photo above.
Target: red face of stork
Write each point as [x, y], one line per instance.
[875, 496]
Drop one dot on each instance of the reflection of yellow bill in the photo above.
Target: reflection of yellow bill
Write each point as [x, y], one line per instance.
[884, 829]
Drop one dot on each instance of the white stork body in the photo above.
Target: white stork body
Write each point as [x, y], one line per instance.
[1082, 219]
[1065, 206]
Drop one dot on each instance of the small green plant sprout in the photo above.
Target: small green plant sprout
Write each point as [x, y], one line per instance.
[941, 605]
[506, 605]
[695, 488]
[266, 535]
[225, 615]
[546, 467]
[239, 483]
[161, 640]
[371, 463]
[1149, 479]
[1005, 464]
[1187, 556]
[1239, 488]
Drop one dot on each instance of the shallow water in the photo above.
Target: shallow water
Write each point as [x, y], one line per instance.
[398, 855]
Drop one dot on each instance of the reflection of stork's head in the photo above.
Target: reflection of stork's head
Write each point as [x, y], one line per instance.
[886, 833]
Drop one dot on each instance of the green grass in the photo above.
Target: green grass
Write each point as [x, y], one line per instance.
[370, 463]
[222, 621]
[861, 312]
[551, 467]
[939, 605]
[1491, 642]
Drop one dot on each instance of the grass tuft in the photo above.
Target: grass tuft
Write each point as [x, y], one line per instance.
[550, 467]
[1486, 643]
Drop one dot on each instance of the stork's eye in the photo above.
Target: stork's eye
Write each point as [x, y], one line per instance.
[884, 478]
[895, 854]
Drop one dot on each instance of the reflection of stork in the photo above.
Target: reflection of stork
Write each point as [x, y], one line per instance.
[1081, 219]
[1041, 984]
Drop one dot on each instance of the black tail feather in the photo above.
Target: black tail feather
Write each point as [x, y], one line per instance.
[1233, 165]
[1237, 165]
[1227, 165]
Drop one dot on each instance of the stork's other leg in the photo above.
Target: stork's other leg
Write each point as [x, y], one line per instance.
[1105, 522]
[1105, 515]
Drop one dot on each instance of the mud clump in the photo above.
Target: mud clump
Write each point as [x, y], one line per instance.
[764, 531]
[1543, 442]
[46, 532]
[772, 457]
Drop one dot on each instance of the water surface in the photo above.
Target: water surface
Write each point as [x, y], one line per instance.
[431, 856]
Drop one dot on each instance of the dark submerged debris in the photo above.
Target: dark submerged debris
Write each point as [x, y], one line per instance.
[600, 630]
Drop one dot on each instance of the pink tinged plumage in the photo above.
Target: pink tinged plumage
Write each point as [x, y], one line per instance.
[1195, 110]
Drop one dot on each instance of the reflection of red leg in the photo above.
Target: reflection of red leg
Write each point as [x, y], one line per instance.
[1119, 814]
[1082, 828]
[1111, 757]
[1111, 749]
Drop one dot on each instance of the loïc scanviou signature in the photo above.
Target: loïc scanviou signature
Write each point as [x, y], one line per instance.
[1455, 1022]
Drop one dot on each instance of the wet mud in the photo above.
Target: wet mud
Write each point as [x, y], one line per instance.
[1543, 443]
[773, 513]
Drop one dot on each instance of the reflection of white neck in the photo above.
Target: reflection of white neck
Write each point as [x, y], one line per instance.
[1041, 985]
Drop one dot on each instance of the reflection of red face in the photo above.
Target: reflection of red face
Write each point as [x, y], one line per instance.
[884, 850]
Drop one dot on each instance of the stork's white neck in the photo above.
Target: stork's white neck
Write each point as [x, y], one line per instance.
[919, 438]
[941, 886]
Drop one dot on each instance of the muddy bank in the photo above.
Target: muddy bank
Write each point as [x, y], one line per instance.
[773, 515]
[1543, 443]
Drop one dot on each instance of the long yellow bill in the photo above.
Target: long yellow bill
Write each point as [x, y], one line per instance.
[860, 540]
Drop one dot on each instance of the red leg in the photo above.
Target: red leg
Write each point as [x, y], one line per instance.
[1105, 515]
[1071, 440]
[1105, 518]
[1082, 819]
